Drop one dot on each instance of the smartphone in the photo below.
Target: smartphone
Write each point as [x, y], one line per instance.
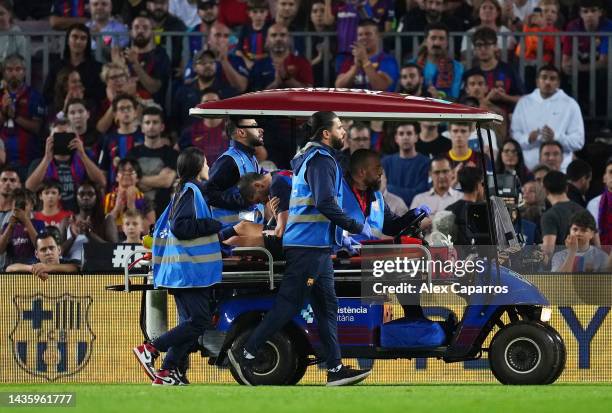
[61, 141]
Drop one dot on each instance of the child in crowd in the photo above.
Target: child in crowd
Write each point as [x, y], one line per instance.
[52, 212]
[580, 255]
[133, 226]
[18, 236]
[251, 46]
[540, 22]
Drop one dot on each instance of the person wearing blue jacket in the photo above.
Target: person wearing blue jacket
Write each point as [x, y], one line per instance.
[187, 262]
[314, 226]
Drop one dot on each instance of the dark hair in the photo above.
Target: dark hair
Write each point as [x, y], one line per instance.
[583, 219]
[436, 26]
[459, 123]
[590, 3]
[414, 124]
[13, 57]
[485, 34]
[439, 158]
[189, 164]
[608, 162]
[540, 167]
[551, 143]
[257, 5]
[82, 28]
[202, 53]
[549, 68]
[469, 101]
[361, 157]
[77, 101]
[9, 168]
[474, 72]
[133, 162]
[49, 183]
[413, 66]
[521, 170]
[577, 169]
[233, 125]
[555, 182]
[319, 122]
[245, 185]
[45, 234]
[22, 195]
[469, 177]
[153, 111]
[367, 22]
[358, 126]
[124, 96]
[97, 215]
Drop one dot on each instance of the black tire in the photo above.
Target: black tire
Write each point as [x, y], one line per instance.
[561, 347]
[275, 362]
[526, 352]
[300, 369]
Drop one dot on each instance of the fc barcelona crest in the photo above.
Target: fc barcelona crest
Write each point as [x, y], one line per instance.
[52, 337]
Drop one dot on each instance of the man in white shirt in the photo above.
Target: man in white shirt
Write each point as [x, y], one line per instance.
[547, 114]
[441, 194]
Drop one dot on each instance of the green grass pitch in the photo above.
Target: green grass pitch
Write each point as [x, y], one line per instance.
[574, 398]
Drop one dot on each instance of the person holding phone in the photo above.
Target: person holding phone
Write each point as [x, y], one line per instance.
[65, 160]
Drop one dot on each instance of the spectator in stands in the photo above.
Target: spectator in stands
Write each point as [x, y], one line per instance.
[580, 256]
[510, 161]
[102, 21]
[604, 211]
[442, 74]
[69, 165]
[21, 114]
[540, 171]
[19, 233]
[9, 181]
[461, 155]
[489, 14]
[48, 259]
[79, 116]
[133, 226]
[320, 47]
[88, 224]
[186, 10]
[475, 84]
[68, 86]
[251, 44]
[411, 81]
[555, 220]
[579, 175]
[77, 55]
[126, 196]
[118, 143]
[547, 114]
[441, 195]
[345, 17]
[534, 199]
[431, 143]
[516, 12]
[417, 20]
[117, 79]
[51, 212]
[208, 12]
[10, 44]
[369, 67]
[157, 160]
[472, 183]
[540, 22]
[282, 68]
[233, 13]
[504, 84]
[231, 70]
[66, 13]
[358, 137]
[208, 134]
[163, 21]
[406, 171]
[146, 61]
[287, 15]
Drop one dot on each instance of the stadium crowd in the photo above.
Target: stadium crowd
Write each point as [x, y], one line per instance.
[90, 154]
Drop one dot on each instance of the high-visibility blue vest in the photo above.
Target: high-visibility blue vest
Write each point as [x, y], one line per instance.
[185, 263]
[376, 219]
[306, 226]
[246, 163]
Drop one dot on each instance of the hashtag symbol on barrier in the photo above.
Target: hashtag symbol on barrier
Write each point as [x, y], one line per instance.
[119, 254]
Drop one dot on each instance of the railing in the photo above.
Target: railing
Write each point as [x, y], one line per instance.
[41, 45]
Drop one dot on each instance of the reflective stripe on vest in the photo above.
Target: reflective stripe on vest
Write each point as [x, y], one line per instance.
[306, 226]
[245, 163]
[376, 219]
[185, 263]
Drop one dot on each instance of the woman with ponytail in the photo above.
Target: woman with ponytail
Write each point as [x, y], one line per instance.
[186, 261]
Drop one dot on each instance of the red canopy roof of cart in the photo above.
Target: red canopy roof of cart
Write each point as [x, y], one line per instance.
[346, 103]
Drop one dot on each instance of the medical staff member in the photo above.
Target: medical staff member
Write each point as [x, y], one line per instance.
[314, 225]
[186, 261]
[221, 191]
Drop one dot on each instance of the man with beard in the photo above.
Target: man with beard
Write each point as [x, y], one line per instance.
[226, 203]
[21, 115]
[314, 226]
[417, 19]
[411, 81]
[281, 69]
[368, 67]
[148, 62]
[103, 22]
[163, 21]
[208, 11]
[442, 74]
[189, 95]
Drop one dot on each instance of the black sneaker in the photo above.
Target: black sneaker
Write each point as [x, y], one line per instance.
[240, 364]
[183, 377]
[346, 376]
